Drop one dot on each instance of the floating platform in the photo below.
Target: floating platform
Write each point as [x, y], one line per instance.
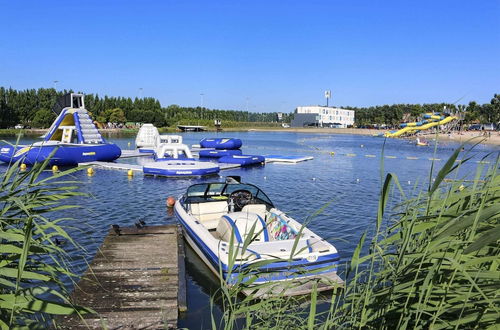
[115, 166]
[139, 168]
[222, 166]
[135, 153]
[287, 159]
[243, 160]
[136, 281]
[218, 153]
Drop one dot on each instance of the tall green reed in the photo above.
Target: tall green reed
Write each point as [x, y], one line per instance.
[436, 266]
[31, 263]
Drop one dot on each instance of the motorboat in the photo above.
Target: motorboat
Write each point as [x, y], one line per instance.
[146, 138]
[221, 217]
[221, 143]
[72, 138]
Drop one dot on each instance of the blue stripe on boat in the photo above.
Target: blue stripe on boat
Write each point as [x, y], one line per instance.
[235, 229]
[263, 223]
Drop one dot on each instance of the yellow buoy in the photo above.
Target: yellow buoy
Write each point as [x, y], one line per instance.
[23, 167]
[55, 168]
[130, 173]
[90, 171]
[129, 144]
[332, 153]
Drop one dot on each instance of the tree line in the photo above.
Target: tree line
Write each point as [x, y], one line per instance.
[392, 115]
[32, 107]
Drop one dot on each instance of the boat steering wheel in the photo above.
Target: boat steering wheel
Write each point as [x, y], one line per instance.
[241, 198]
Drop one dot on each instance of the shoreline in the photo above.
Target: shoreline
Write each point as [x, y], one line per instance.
[491, 137]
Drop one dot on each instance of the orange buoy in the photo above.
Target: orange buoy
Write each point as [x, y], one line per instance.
[170, 201]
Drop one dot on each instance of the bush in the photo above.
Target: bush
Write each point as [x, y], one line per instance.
[43, 118]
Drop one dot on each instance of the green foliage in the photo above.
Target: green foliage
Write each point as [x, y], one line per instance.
[22, 106]
[115, 115]
[436, 266]
[392, 115]
[31, 264]
[43, 118]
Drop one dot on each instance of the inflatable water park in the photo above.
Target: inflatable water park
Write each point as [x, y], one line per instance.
[430, 120]
[174, 158]
[168, 156]
[73, 138]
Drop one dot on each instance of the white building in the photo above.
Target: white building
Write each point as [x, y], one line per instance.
[326, 116]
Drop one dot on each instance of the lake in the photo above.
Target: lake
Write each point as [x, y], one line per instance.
[348, 181]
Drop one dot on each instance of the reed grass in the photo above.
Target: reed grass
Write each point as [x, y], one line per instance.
[32, 265]
[434, 266]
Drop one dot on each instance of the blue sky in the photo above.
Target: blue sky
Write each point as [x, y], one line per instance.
[275, 54]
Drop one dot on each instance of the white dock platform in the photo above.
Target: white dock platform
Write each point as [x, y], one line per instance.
[223, 166]
[139, 168]
[287, 159]
[134, 153]
[115, 166]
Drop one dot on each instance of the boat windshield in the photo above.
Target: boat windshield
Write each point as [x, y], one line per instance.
[207, 192]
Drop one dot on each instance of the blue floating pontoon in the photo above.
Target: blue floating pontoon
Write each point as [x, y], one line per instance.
[243, 160]
[176, 168]
[73, 138]
[221, 143]
[214, 153]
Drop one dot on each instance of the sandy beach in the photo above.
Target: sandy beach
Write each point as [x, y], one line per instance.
[491, 137]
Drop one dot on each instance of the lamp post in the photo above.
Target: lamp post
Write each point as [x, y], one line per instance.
[55, 84]
[201, 100]
[328, 95]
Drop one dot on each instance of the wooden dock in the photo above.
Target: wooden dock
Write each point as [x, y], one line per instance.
[136, 281]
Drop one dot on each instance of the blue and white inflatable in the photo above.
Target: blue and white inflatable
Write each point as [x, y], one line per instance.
[243, 160]
[221, 143]
[180, 168]
[215, 153]
[73, 138]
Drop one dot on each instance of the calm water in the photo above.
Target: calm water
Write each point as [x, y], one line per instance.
[351, 183]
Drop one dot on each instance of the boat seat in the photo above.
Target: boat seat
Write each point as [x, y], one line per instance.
[209, 212]
[241, 223]
[259, 209]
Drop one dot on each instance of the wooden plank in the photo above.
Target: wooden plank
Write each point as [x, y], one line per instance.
[132, 282]
[298, 287]
[182, 295]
